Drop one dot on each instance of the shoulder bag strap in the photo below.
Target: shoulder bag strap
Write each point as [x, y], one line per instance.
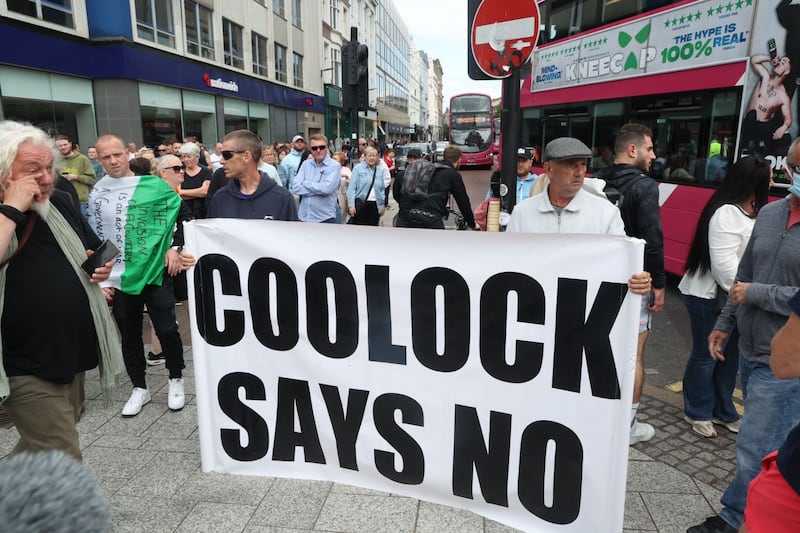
[372, 182]
[24, 239]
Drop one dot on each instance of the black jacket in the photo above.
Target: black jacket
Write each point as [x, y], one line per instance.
[445, 181]
[640, 214]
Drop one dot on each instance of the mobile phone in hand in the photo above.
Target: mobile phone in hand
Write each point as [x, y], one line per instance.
[102, 255]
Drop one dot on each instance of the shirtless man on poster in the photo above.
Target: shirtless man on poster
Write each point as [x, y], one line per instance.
[759, 132]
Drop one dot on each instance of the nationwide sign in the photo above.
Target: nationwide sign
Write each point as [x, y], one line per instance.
[503, 387]
[219, 83]
[688, 37]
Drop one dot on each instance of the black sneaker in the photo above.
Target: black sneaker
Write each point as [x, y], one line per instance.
[155, 358]
[713, 524]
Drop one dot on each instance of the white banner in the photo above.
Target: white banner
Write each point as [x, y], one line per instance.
[686, 37]
[490, 372]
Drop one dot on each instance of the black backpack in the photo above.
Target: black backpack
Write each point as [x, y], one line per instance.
[616, 195]
[417, 179]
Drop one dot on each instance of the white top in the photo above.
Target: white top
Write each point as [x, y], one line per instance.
[728, 234]
[270, 171]
[585, 213]
[215, 160]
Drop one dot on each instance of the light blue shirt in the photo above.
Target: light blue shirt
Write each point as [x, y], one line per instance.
[316, 184]
[291, 162]
[523, 187]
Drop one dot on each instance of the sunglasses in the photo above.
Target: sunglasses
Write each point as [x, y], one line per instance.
[227, 154]
[317, 148]
[161, 150]
[362, 144]
[178, 168]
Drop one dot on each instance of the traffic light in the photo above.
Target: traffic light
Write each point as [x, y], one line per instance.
[349, 64]
[355, 76]
[362, 56]
[349, 76]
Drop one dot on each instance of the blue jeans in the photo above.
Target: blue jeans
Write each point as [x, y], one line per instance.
[771, 410]
[707, 384]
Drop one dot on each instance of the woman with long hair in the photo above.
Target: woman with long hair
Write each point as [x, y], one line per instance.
[367, 184]
[721, 237]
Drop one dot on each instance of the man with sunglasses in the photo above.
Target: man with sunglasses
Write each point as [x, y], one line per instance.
[317, 182]
[249, 193]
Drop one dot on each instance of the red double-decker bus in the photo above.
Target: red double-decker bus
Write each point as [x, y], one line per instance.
[472, 128]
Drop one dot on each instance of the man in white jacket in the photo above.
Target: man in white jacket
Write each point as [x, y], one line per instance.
[564, 207]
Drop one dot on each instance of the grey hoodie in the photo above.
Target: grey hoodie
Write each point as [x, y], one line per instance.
[770, 264]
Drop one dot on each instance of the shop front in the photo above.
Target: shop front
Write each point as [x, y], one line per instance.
[84, 89]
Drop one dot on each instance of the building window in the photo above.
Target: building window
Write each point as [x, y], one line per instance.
[297, 69]
[335, 14]
[154, 22]
[261, 2]
[199, 30]
[55, 11]
[280, 62]
[278, 8]
[232, 40]
[259, 44]
[296, 14]
[336, 65]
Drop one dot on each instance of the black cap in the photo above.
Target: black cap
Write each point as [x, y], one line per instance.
[524, 153]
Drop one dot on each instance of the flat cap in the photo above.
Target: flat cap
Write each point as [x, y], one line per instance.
[565, 148]
[414, 152]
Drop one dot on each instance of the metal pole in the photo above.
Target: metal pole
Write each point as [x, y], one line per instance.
[354, 92]
[511, 125]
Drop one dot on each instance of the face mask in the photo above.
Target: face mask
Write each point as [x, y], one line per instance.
[795, 188]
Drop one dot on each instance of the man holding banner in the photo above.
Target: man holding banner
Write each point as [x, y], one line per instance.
[565, 207]
[139, 214]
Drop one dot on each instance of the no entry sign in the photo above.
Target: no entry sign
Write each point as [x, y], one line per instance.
[503, 35]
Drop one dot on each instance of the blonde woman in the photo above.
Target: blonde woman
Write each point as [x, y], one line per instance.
[367, 184]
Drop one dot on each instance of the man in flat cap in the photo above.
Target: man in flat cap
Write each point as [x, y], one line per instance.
[564, 207]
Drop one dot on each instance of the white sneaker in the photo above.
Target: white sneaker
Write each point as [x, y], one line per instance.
[702, 427]
[641, 432]
[175, 398]
[134, 405]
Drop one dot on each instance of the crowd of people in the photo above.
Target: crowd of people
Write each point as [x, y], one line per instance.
[58, 206]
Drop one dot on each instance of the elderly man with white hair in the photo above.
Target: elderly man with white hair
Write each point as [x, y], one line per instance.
[43, 244]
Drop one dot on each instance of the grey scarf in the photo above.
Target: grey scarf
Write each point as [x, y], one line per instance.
[110, 354]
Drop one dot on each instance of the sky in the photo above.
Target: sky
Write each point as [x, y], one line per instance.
[439, 27]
